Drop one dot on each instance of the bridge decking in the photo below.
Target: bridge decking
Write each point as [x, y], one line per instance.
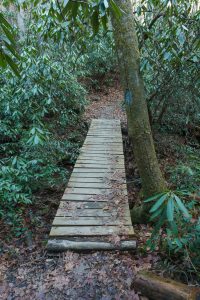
[94, 209]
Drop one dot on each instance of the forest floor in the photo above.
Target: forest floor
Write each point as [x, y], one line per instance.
[27, 271]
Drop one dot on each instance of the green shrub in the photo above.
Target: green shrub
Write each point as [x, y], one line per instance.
[175, 232]
[39, 112]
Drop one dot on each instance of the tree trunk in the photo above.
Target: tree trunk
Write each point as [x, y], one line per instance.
[136, 107]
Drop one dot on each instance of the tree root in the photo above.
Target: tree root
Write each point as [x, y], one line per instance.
[140, 214]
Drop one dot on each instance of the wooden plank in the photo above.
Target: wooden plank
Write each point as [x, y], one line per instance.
[103, 139]
[81, 221]
[113, 165]
[91, 191]
[105, 123]
[90, 230]
[105, 120]
[94, 185]
[103, 145]
[112, 133]
[105, 131]
[100, 156]
[94, 180]
[89, 185]
[109, 144]
[97, 147]
[95, 124]
[103, 135]
[76, 178]
[93, 161]
[98, 170]
[108, 152]
[85, 213]
[83, 198]
[119, 138]
[101, 162]
[94, 174]
[87, 191]
[74, 205]
[105, 159]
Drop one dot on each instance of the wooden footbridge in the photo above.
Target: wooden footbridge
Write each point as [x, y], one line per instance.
[94, 211]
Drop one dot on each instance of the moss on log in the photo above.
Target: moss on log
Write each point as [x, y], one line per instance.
[158, 288]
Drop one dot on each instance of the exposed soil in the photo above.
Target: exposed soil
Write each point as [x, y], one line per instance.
[27, 271]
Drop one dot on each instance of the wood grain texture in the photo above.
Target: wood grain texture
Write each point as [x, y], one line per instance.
[94, 221]
[83, 198]
[90, 230]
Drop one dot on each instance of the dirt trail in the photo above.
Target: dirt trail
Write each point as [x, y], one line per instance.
[106, 104]
[28, 272]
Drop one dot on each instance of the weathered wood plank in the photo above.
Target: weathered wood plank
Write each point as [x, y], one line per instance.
[100, 160]
[98, 170]
[94, 185]
[97, 152]
[105, 131]
[100, 166]
[95, 175]
[89, 185]
[103, 136]
[85, 213]
[99, 163]
[95, 180]
[90, 230]
[92, 191]
[101, 156]
[103, 145]
[81, 221]
[108, 124]
[101, 151]
[69, 205]
[97, 140]
[83, 198]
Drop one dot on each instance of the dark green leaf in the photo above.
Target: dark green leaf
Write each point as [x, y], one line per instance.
[170, 210]
[153, 197]
[182, 207]
[158, 203]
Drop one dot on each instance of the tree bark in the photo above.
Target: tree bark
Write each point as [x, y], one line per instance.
[159, 288]
[136, 107]
[63, 245]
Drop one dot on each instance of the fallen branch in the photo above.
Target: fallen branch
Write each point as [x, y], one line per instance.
[62, 245]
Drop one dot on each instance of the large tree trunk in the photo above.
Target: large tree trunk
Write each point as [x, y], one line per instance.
[137, 113]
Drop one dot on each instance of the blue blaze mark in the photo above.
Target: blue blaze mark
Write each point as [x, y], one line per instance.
[128, 97]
